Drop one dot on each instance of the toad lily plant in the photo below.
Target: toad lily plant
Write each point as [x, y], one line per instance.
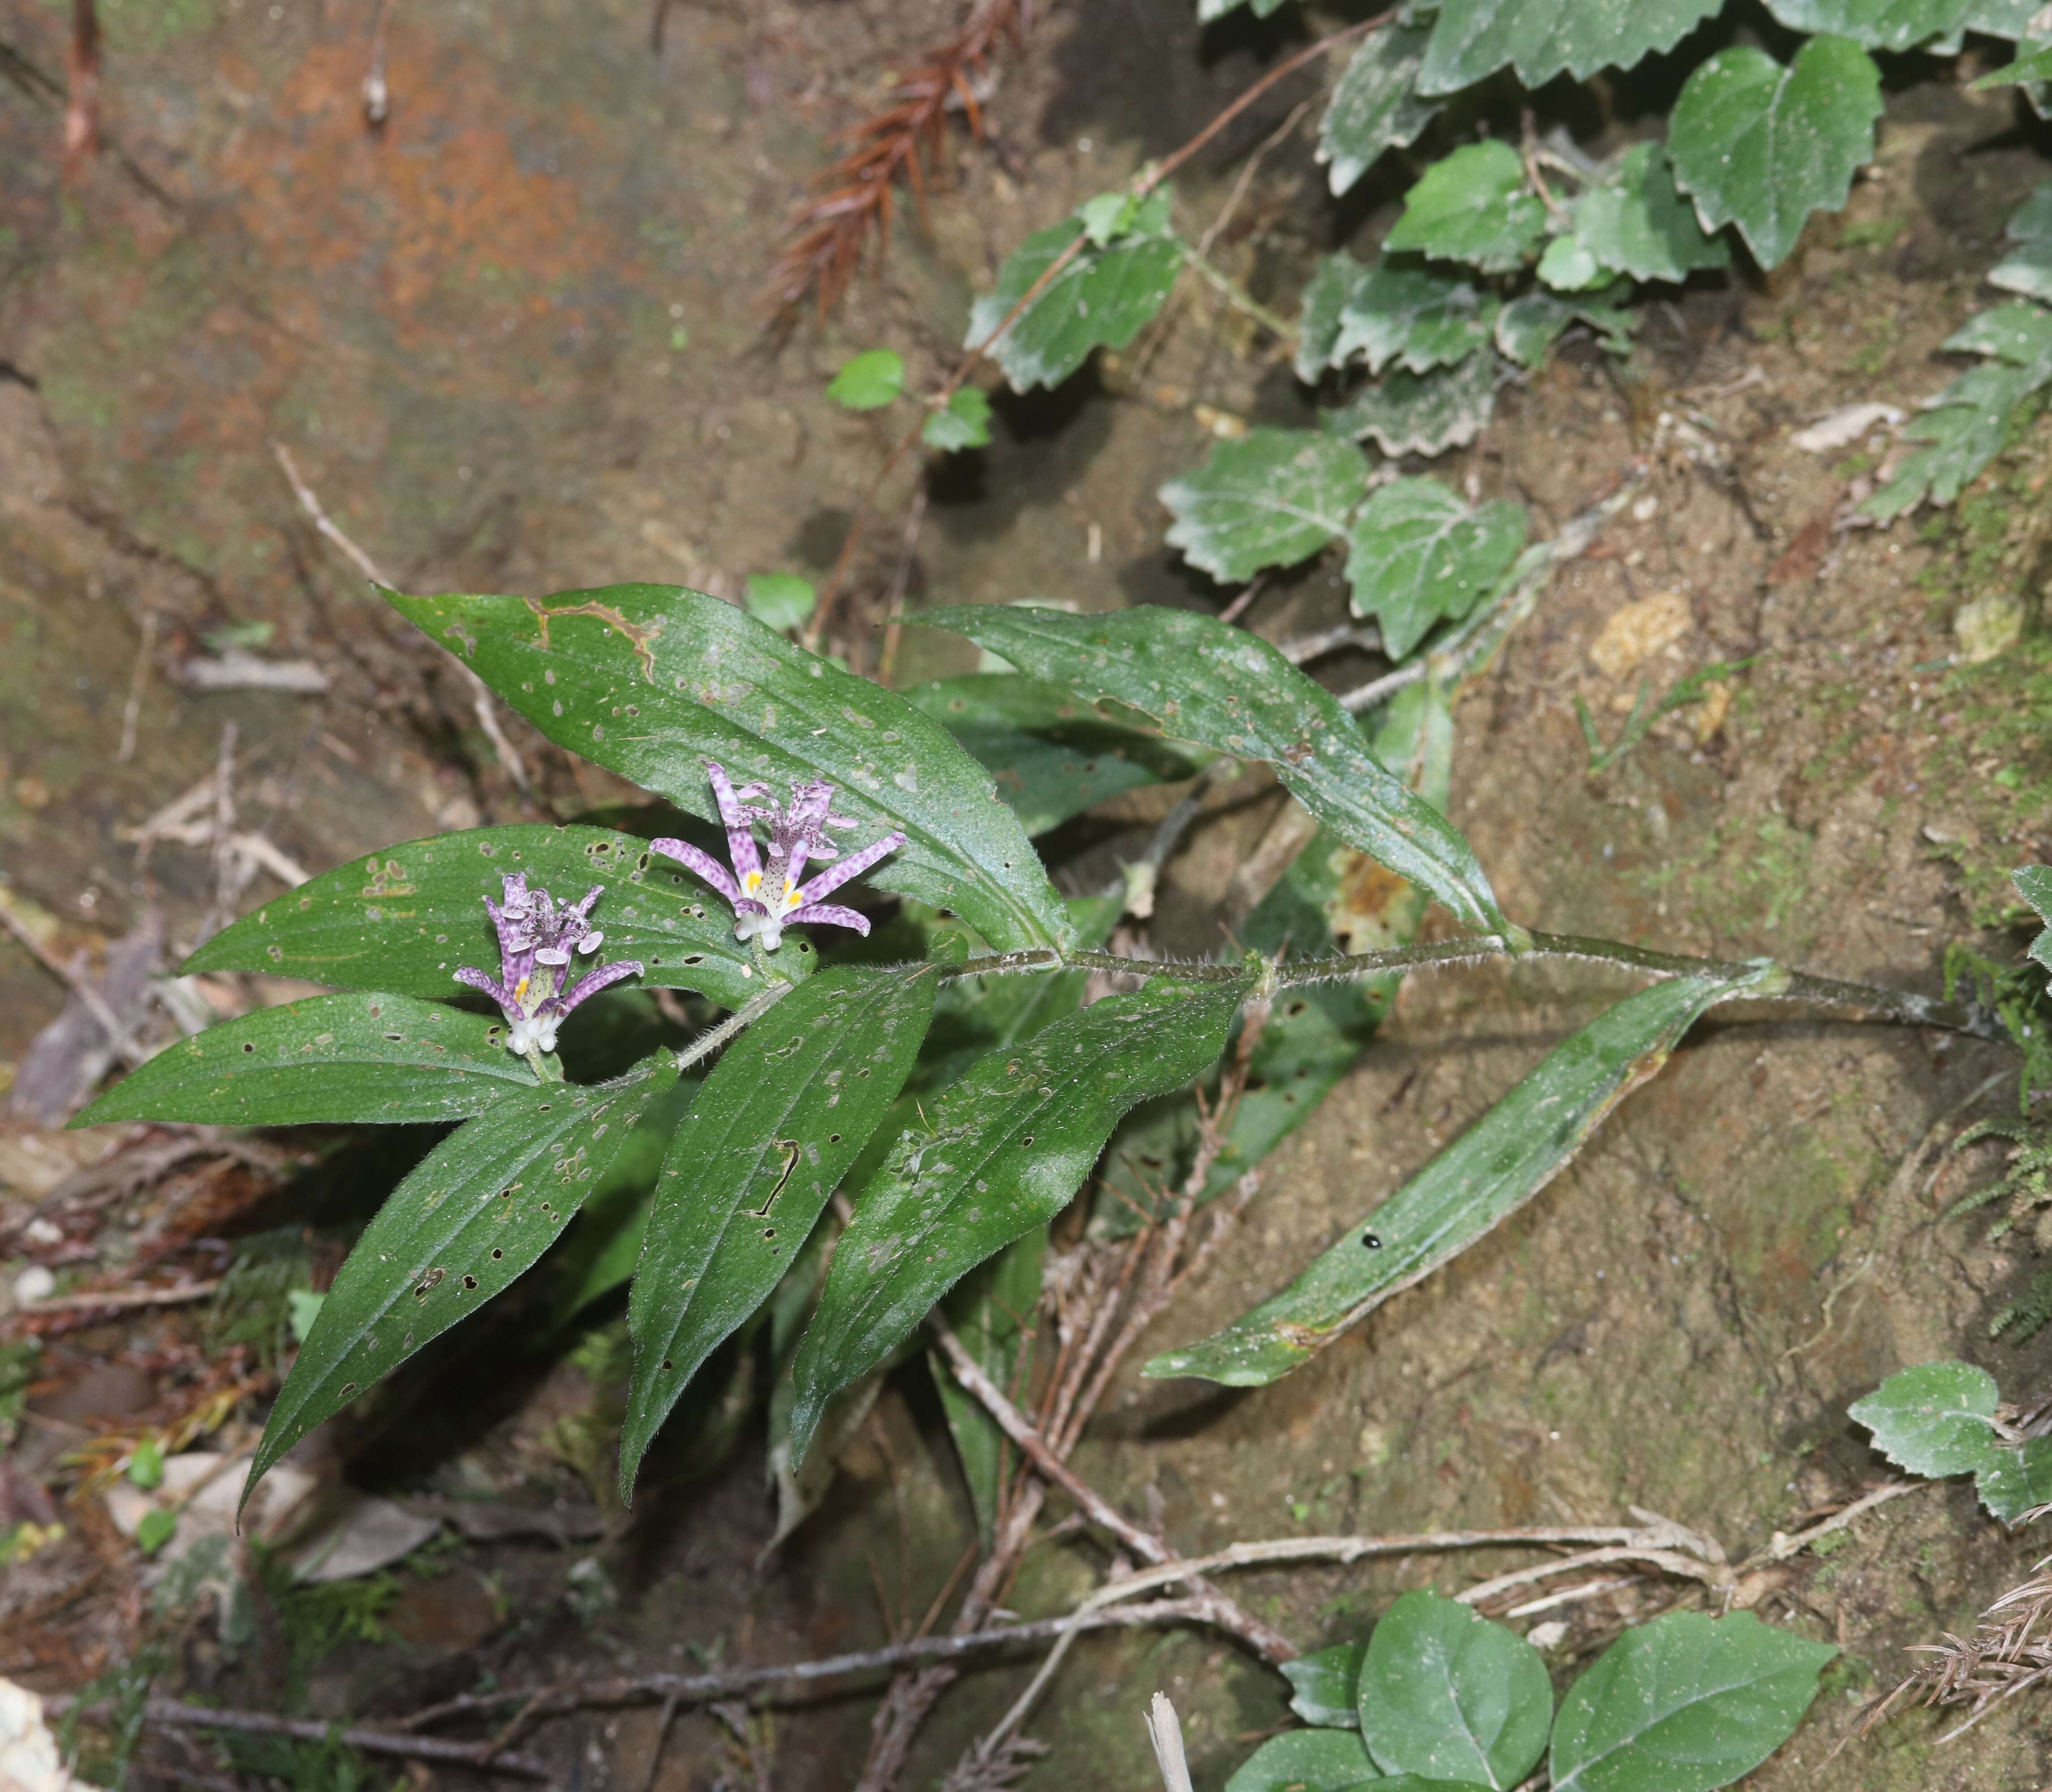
[720, 1151]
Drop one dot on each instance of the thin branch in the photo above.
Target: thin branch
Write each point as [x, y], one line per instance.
[131, 711]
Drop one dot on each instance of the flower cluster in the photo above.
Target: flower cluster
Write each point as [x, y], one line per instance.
[535, 988]
[768, 898]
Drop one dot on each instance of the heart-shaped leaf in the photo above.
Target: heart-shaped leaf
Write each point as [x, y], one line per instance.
[1472, 38]
[2034, 884]
[1271, 499]
[1324, 1686]
[1418, 555]
[1447, 1695]
[1475, 205]
[1934, 1420]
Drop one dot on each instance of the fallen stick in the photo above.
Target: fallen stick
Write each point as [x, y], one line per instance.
[121, 1297]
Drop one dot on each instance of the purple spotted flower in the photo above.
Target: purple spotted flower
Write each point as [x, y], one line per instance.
[534, 988]
[768, 898]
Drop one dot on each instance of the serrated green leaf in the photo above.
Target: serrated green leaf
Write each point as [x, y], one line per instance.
[476, 1214]
[1447, 1695]
[1001, 1152]
[1889, 24]
[1420, 413]
[1686, 1703]
[868, 382]
[779, 600]
[2017, 1481]
[1204, 682]
[1568, 267]
[1417, 555]
[784, 1113]
[1306, 1761]
[1332, 284]
[1968, 426]
[1375, 105]
[1476, 37]
[1473, 206]
[1934, 1420]
[991, 1312]
[2002, 18]
[1505, 1159]
[2027, 268]
[1635, 221]
[2033, 65]
[1102, 297]
[963, 422]
[2020, 334]
[404, 918]
[1763, 146]
[1271, 499]
[651, 681]
[1529, 325]
[1051, 754]
[328, 1060]
[1324, 1685]
[2034, 884]
[1413, 317]
[1108, 216]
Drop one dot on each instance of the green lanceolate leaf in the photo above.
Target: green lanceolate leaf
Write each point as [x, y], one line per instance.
[404, 919]
[1271, 499]
[991, 1312]
[1509, 1155]
[1413, 318]
[1474, 206]
[1001, 1152]
[603, 1244]
[779, 600]
[1887, 25]
[1324, 1686]
[1102, 297]
[1528, 327]
[482, 1206]
[2034, 884]
[1420, 413]
[1447, 1695]
[1686, 1703]
[1635, 222]
[328, 1060]
[1375, 107]
[1763, 146]
[783, 1113]
[1306, 1761]
[651, 681]
[1051, 754]
[1475, 37]
[1935, 1419]
[1203, 682]
[2027, 268]
[1418, 555]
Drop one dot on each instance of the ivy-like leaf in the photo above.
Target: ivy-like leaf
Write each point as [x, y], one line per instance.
[1474, 206]
[991, 1312]
[1476, 37]
[1416, 319]
[1271, 499]
[1763, 146]
[1332, 284]
[1686, 1703]
[1529, 324]
[482, 1206]
[2034, 884]
[2027, 268]
[1418, 555]
[1935, 1419]
[1051, 754]
[962, 422]
[1102, 297]
[1324, 1686]
[404, 918]
[871, 381]
[1001, 1152]
[1887, 25]
[1420, 413]
[784, 1113]
[1445, 1694]
[1204, 681]
[329, 1060]
[651, 681]
[1375, 106]
[1306, 1761]
[1635, 221]
[1505, 1159]
[2017, 1481]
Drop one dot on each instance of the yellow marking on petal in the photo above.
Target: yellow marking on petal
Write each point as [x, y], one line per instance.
[752, 883]
[791, 897]
[520, 990]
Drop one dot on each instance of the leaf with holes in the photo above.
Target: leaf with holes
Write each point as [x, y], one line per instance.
[991, 1312]
[1306, 1761]
[1414, 318]
[476, 1214]
[1935, 1419]
[1420, 413]
[1375, 106]
[1530, 324]
[328, 1060]
[1210, 685]
[784, 1113]
[605, 1243]
[1505, 1159]
[1885, 24]
[1051, 754]
[1763, 146]
[404, 918]
[1685, 1703]
[1001, 1152]
[1475, 205]
[1324, 1686]
[1271, 499]
[1635, 221]
[1472, 38]
[1445, 1694]
[1100, 298]
[651, 681]
[1418, 555]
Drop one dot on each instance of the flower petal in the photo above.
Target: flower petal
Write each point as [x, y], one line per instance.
[599, 977]
[848, 868]
[740, 836]
[706, 867]
[827, 914]
[477, 979]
